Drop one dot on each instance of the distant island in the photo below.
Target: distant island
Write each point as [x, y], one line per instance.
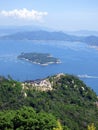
[39, 58]
[42, 35]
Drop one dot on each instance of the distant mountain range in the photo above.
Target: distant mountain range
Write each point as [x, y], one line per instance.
[82, 33]
[47, 35]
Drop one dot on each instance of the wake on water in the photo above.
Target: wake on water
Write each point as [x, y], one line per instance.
[87, 76]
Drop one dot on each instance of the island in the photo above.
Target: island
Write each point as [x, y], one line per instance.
[39, 58]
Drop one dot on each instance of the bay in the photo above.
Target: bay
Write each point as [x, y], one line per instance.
[77, 59]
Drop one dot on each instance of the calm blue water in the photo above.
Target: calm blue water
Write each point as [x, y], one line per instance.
[76, 58]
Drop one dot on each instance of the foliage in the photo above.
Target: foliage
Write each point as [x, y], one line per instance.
[70, 101]
[26, 119]
[10, 93]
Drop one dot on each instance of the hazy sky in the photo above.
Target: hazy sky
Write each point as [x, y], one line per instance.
[58, 14]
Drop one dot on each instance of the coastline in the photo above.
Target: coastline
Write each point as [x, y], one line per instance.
[45, 64]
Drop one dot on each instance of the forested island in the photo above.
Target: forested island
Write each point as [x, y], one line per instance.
[39, 58]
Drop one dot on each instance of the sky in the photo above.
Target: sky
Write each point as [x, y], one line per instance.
[64, 15]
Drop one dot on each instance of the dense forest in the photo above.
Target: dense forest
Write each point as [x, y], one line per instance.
[39, 58]
[69, 105]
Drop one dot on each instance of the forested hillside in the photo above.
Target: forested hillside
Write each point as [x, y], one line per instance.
[70, 102]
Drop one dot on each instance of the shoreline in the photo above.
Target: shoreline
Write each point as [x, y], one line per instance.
[45, 64]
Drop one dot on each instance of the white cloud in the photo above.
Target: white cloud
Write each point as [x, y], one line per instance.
[24, 14]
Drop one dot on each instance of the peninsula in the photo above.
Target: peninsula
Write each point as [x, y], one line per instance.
[39, 58]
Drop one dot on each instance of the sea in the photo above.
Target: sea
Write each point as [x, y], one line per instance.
[76, 58]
